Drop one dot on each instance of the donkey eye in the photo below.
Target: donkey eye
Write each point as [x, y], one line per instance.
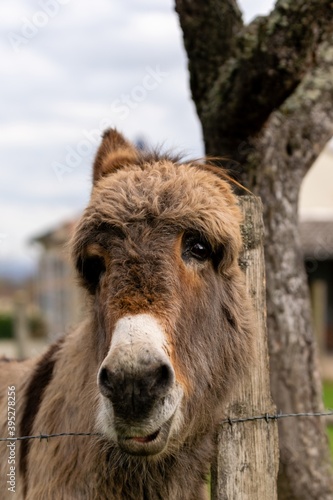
[200, 250]
[196, 247]
[91, 269]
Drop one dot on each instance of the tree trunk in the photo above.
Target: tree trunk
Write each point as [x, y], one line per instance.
[269, 105]
[305, 471]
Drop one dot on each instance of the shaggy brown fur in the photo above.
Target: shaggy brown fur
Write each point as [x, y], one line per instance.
[160, 238]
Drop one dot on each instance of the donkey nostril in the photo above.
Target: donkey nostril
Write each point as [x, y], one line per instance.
[164, 376]
[106, 382]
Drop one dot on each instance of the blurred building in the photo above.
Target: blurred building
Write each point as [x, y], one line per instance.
[316, 225]
[57, 293]
[22, 329]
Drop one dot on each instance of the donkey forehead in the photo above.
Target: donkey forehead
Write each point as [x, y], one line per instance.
[178, 194]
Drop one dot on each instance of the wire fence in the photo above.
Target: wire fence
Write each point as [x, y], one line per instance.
[231, 421]
[276, 416]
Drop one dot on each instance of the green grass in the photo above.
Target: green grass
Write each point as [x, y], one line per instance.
[6, 326]
[328, 402]
[328, 394]
[330, 437]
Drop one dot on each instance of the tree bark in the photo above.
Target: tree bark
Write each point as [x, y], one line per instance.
[269, 106]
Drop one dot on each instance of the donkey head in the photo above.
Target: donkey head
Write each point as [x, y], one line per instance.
[157, 251]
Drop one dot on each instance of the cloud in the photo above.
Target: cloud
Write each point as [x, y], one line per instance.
[253, 9]
[65, 83]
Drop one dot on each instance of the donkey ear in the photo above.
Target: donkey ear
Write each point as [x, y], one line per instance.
[113, 153]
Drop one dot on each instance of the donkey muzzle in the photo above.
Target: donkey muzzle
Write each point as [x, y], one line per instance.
[139, 384]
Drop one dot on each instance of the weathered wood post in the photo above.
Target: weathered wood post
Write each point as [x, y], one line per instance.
[247, 457]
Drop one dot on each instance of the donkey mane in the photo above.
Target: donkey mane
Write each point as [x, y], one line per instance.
[166, 335]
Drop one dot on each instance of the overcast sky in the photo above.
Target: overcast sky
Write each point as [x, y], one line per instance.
[68, 70]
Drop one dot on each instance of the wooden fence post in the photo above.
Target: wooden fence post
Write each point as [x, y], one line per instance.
[247, 457]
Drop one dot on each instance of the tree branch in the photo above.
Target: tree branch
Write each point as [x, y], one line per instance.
[209, 30]
[302, 125]
[258, 71]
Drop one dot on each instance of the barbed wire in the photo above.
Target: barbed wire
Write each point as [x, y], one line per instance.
[231, 421]
[276, 416]
[47, 436]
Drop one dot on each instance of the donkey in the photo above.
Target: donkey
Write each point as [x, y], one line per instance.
[167, 334]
